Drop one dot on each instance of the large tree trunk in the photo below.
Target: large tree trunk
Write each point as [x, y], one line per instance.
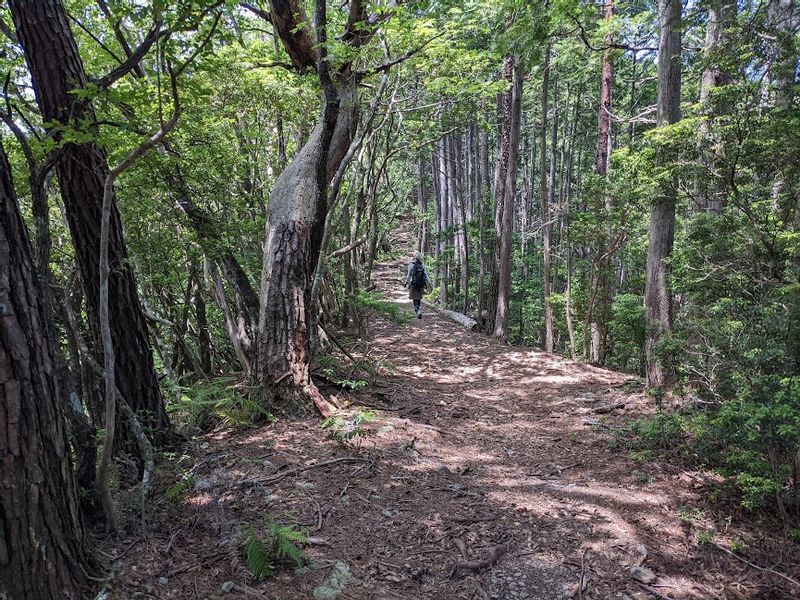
[658, 296]
[507, 216]
[295, 223]
[43, 31]
[42, 543]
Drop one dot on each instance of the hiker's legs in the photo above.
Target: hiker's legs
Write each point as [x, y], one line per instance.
[417, 305]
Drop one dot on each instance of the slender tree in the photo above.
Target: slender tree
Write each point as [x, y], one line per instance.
[658, 295]
[544, 198]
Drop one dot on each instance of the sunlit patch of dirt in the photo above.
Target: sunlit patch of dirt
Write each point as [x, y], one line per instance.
[488, 474]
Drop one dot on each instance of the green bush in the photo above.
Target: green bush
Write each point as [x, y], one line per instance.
[210, 402]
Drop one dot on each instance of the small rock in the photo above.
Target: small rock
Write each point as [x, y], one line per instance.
[335, 584]
[385, 430]
[203, 485]
[227, 586]
[643, 574]
[205, 446]
[163, 581]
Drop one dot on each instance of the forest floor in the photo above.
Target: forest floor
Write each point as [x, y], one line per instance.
[489, 473]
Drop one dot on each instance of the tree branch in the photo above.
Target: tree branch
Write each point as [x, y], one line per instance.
[105, 324]
[613, 45]
[295, 32]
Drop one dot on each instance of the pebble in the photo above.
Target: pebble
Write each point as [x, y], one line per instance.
[227, 586]
[163, 581]
[643, 574]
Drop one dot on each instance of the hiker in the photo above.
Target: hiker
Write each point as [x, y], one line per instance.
[417, 282]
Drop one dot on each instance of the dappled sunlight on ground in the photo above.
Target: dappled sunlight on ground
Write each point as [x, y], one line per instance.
[488, 473]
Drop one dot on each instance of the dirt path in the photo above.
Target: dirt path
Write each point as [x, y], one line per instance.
[488, 474]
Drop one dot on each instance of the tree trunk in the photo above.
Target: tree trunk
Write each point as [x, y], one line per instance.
[658, 296]
[711, 192]
[295, 223]
[599, 308]
[504, 101]
[42, 543]
[456, 196]
[43, 31]
[544, 197]
[506, 229]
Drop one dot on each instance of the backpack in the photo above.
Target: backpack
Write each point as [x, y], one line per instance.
[418, 276]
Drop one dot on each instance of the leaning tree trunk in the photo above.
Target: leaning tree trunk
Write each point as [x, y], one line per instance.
[658, 296]
[43, 30]
[295, 223]
[42, 542]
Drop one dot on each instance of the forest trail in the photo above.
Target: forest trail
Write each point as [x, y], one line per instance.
[487, 474]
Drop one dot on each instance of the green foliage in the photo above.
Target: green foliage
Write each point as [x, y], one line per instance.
[280, 546]
[373, 301]
[706, 536]
[627, 328]
[348, 427]
[220, 400]
[176, 491]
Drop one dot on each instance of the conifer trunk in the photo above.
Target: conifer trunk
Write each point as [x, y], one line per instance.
[658, 296]
[43, 30]
[43, 552]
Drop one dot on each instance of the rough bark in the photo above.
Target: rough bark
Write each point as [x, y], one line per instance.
[294, 232]
[43, 31]
[43, 551]
[507, 215]
[658, 296]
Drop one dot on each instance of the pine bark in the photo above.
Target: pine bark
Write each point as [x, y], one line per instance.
[295, 223]
[43, 30]
[658, 295]
[43, 551]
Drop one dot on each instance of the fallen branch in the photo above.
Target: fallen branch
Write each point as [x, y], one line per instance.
[317, 465]
[609, 407]
[457, 317]
[755, 566]
[482, 564]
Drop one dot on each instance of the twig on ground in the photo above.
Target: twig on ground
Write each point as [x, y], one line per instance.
[317, 465]
[609, 407]
[755, 566]
[583, 573]
[481, 564]
[319, 509]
